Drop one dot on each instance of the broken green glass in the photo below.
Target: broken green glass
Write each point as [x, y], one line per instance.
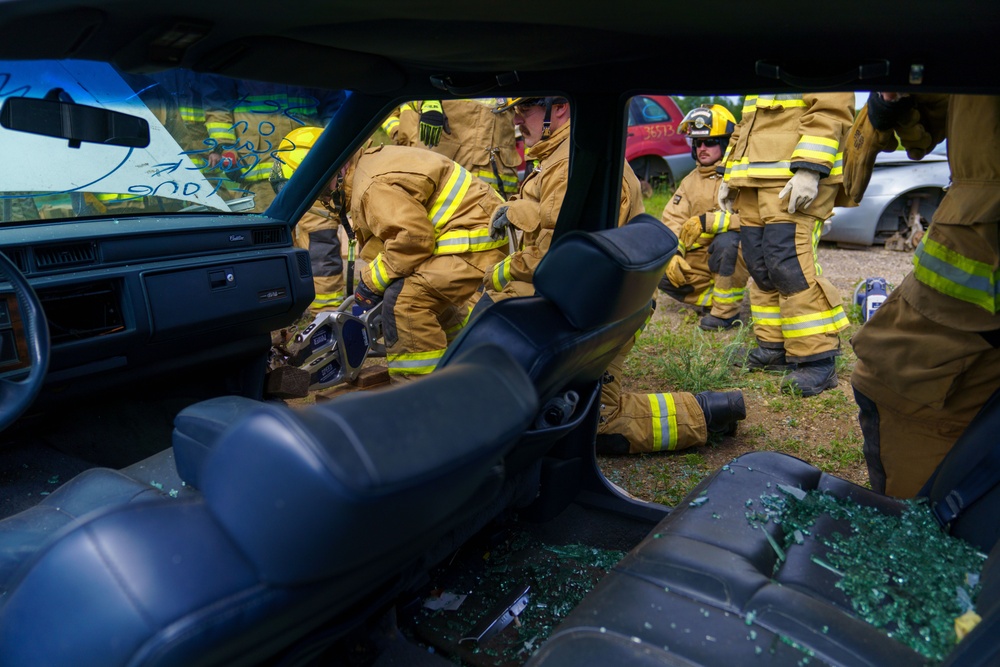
[902, 574]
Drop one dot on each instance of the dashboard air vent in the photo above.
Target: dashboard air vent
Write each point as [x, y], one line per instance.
[19, 256]
[269, 236]
[68, 254]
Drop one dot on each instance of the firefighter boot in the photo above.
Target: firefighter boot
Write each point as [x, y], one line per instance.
[811, 378]
[723, 410]
[612, 444]
[766, 358]
[712, 323]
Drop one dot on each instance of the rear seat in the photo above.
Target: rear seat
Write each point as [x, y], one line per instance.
[702, 588]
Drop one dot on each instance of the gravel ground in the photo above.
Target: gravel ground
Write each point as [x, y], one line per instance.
[845, 268]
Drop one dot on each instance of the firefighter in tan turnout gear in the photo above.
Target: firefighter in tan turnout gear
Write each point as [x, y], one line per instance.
[422, 225]
[467, 131]
[628, 422]
[316, 231]
[708, 270]
[930, 356]
[784, 172]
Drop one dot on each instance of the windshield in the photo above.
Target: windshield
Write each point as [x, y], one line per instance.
[213, 142]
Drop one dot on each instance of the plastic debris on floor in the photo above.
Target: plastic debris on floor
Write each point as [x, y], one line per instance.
[902, 573]
[496, 604]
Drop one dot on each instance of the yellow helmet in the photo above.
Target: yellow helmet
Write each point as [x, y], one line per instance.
[294, 148]
[506, 103]
[704, 122]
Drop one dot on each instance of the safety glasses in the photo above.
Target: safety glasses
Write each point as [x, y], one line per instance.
[698, 143]
[521, 108]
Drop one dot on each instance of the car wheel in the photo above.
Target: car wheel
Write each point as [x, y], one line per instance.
[895, 225]
[654, 174]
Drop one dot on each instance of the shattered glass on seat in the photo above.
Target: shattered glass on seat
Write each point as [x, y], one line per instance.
[902, 574]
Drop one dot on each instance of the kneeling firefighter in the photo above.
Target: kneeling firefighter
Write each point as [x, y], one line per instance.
[708, 270]
[423, 226]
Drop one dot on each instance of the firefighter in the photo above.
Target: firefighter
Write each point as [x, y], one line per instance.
[247, 119]
[783, 176]
[708, 271]
[930, 356]
[422, 225]
[317, 229]
[629, 422]
[467, 131]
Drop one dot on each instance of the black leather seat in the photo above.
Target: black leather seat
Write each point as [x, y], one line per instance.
[707, 587]
[303, 519]
[593, 294]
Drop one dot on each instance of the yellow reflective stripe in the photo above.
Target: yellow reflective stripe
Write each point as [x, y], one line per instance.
[380, 275]
[705, 298]
[260, 171]
[664, 421]
[327, 300]
[719, 224]
[390, 124]
[827, 321]
[501, 274]
[956, 275]
[221, 132]
[816, 148]
[838, 165]
[487, 175]
[767, 316]
[746, 169]
[413, 363]
[451, 196]
[727, 295]
[816, 234]
[463, 240]
[453, 331]
[190, 114]
[274, 104]
[784, 101]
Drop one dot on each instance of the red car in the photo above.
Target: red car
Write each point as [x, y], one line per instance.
[656, 151]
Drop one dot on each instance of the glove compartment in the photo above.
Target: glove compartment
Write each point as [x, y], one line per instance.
[252, 292]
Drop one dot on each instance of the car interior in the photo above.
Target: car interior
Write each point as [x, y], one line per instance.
[159, 507]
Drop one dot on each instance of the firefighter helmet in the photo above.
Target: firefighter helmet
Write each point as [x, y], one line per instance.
[507, 103]
[294, 148]
[715, 121]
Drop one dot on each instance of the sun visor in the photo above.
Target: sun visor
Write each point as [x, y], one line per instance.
[254, 58]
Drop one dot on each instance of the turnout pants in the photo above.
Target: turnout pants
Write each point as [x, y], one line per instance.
[422, 312]
[650, 422]
[918, 385]
[793, 306]
[319, 235]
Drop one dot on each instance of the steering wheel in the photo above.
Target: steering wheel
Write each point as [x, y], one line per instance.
[17, 395]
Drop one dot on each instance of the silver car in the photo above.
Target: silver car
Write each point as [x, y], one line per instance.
[902, 195]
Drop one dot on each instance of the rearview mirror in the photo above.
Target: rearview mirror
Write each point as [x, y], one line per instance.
[75, 122]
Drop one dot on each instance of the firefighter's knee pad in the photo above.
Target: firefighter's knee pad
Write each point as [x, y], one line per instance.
[324, 253]
[752, 242]
[390, 333]
[674, 291]
[782, 259]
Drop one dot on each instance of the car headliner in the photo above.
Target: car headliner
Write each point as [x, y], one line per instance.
[394, 46]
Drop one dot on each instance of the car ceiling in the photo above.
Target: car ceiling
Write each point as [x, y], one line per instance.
[394, 47]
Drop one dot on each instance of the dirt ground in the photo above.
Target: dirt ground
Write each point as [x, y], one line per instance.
[822, 430]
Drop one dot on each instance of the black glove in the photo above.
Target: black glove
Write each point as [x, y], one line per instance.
[432, 122]
[887, 115]
[365, 297]
[722, 253]
[498, 226]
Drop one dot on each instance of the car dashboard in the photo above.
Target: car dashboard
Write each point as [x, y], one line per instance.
[128, 297]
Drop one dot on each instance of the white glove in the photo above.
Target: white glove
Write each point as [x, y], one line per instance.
[803, 186]
[725, 201]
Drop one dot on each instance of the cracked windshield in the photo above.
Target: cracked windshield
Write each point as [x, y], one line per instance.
[133, 144]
